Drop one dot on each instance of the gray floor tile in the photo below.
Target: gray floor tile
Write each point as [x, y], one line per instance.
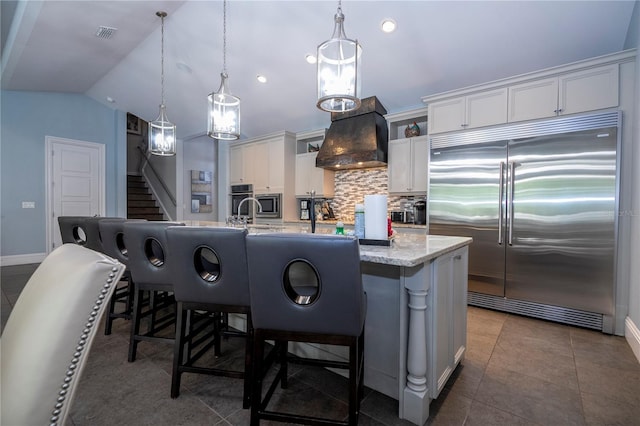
[483, 415]
[530, 398]
[547, 362]
[601, 410]
[618, 384]
[449, 409]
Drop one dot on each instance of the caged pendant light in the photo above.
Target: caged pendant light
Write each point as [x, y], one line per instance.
[339, 70]
[162, 133]
[224, 108]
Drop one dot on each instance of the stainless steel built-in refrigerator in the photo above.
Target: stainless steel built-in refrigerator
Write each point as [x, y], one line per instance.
[540, 201]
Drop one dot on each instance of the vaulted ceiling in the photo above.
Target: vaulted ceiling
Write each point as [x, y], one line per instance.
[437, 46]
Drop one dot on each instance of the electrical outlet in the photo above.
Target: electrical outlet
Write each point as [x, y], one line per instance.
[28, 204]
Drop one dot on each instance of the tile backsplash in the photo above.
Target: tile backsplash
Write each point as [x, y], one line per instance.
[352, 185]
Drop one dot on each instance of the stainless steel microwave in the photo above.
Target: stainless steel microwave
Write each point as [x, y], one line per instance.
[270, 206]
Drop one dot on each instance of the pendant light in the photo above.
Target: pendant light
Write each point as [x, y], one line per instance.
[224, 108]
[162, 133]
[339, 70]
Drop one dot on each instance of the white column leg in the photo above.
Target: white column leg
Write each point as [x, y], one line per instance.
[416, 400]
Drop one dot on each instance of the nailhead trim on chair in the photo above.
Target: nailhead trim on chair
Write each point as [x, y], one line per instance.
[80, 350]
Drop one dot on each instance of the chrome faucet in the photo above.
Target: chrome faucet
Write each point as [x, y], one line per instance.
[247, 199]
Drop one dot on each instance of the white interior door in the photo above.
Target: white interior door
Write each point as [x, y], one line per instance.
[75, 182]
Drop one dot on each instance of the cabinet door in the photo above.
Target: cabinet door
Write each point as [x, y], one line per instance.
[399, 167]
[312, 178]
[442, 331]
[259, 154]
[304, 163]
[589, 90]
[446, 116]
[236, 172]
[537, 99]
[275, 182]
[250, 162]
[486, 108]
[460, 284]
[420, 163]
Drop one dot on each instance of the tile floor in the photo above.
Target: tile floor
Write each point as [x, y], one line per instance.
[517, 371]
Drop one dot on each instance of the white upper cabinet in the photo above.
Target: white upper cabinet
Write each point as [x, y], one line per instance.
[408, 165]
[467, 112]
[308, 176]
[268, 159]
[589, 90]
[408, 152]
[311, 178]
[580, 91]
[241, 164]
[447, 116]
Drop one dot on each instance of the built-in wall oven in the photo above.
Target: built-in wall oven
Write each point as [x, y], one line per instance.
[239, 193]
[270, 206]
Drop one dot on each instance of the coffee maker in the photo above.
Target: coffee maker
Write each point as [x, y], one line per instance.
[420, 212]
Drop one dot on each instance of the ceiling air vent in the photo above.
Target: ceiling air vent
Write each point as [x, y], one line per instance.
[105, 32]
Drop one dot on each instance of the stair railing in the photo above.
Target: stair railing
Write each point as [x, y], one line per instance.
[158, 177]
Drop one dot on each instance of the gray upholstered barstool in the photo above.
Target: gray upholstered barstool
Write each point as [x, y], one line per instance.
[112, 238]
[81, 230]
[306, 288]
[146, 244]
[209, 272]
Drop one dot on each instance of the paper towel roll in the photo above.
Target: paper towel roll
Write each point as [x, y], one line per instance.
[375, 217]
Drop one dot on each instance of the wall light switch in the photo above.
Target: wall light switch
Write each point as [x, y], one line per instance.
[28, 204]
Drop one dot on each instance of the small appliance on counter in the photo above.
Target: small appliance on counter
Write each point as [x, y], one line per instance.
[420, 212]
[322, 208]
[406, 213]
[402, 216]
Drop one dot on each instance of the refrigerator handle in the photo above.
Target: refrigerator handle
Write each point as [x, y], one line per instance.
[510, 213]
[500, 205]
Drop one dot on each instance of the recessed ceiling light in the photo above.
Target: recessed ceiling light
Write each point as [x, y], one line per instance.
[388, 25]
[261, 78]
[111, 100]
[311, 59]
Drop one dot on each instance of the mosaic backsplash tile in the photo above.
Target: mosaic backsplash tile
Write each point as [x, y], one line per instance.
[352, 185]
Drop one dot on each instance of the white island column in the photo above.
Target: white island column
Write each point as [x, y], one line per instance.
[416, 397]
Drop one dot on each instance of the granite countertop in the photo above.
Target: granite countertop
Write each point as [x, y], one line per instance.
[394, 225]
[406, 249]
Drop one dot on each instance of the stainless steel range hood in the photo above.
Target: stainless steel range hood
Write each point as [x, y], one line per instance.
[356, 139]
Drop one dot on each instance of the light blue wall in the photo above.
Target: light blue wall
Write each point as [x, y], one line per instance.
[25, 119]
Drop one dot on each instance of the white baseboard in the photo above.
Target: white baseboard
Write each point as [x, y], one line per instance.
[632, 334]
[22, 259]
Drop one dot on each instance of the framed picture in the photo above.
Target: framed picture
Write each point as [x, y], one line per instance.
[134, 126]
[201, 191]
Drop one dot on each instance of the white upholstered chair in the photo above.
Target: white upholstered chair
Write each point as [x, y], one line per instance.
[46, 340]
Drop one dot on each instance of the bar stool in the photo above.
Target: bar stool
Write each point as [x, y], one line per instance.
[81, 230]
[306, 288]
[112, 238]
[209, 272]
[146, 244]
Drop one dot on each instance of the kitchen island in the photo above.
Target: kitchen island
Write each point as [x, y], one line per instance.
[415, 328]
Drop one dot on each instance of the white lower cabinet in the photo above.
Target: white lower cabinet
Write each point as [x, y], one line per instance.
[448, 328]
